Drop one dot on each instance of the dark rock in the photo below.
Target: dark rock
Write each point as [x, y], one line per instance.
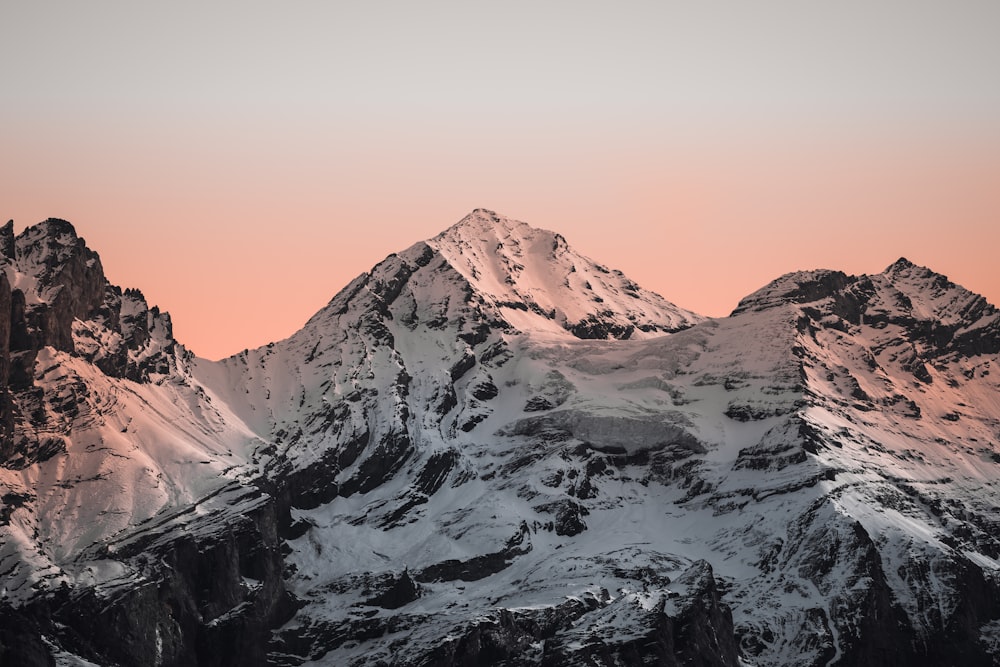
[381, 463]
[804, 287]
[20, 337]
[446, 402]
[313, 485]
[436, 471]
[485, 390]
[21, 641]
[856, 390]
[295, 529]
[478, 567]
[745, 412]
[6, 399]
[765, 457]
[70, 278]
[472, 421]
[191, 606]
[569, 519]
[693, 629]
[402, 591]
[494, 640]
[569, 516]
[7, 240]
[462, 366]
[10, 502]
[475, 333]
[538, 404]
[595, 328]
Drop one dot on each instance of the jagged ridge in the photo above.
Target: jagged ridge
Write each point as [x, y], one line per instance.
[442, 467]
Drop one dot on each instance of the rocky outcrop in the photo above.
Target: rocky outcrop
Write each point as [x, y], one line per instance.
[614, 433]
[61, 299]
[207, 595]
[69, 280]
[21, 641]
[479, 567]
[795, 288]
[401, 591]
[688, 627]
[6, 397]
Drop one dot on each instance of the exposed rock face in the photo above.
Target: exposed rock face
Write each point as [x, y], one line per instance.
[68, 280]
[7, 247]
[61, 299]
[451, 464]
[78, 359]
[6, 400]
[693, 628]
[205, 595]
[690, 627]
[21, 641]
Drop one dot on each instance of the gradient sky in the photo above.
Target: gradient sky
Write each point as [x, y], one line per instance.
[240, 162]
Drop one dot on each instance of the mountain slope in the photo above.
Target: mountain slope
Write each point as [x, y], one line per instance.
[486, 451]
[402, 355]
[109, 439]
[842, 532]
[429, 429]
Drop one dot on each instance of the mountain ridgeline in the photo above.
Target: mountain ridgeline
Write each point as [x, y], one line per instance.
[492, 450]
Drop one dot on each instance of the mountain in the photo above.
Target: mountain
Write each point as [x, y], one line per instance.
[538, 283]
[121, 478]
[491, 450]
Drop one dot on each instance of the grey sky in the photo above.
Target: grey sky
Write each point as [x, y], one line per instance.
[733, 62]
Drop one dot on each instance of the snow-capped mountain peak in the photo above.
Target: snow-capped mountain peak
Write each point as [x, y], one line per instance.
[901, 264]
[541, 284]
[932, 296]
[794, 288]
[482, 221]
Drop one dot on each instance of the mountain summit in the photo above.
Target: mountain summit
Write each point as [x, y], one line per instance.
[534, 271]
[490, 450]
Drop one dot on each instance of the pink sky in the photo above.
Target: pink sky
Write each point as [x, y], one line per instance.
[240, 166]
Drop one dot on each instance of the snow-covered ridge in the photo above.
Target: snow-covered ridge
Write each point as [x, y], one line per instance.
[919, 291]
[950, 317]
[491, 450]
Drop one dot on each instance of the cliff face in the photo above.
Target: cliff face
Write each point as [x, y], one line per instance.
[7, 315]
[63, 279]
[53, 293]
[125, 536]
[204, 595]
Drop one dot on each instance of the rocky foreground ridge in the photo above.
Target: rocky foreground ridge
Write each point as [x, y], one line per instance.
[493, 450]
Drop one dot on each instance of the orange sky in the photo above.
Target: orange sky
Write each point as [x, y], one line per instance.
[241, 165]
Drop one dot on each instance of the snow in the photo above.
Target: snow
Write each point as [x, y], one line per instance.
[136, 450]
[777, 446]
[510, 262]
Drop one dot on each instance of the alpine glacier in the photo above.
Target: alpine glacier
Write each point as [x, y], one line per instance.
[492, 450]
